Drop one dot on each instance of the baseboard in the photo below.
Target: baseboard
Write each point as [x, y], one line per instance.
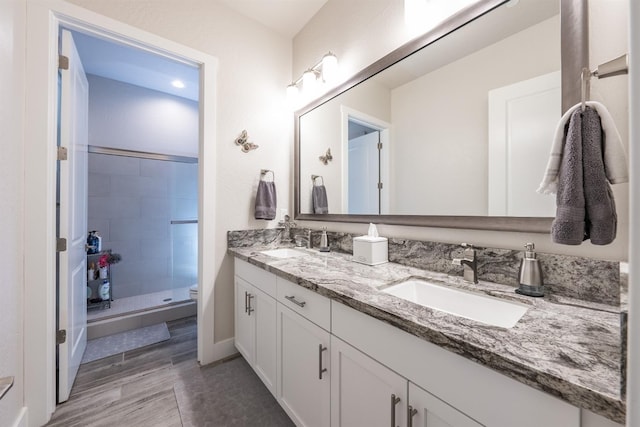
[21, 419]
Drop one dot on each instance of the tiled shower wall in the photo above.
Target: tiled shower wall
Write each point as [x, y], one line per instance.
[132, 203]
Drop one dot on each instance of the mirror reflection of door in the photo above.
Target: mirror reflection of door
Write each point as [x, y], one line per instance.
[365, 183]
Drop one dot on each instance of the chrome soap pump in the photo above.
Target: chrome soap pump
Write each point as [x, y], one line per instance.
[530, 274]
[324, 241]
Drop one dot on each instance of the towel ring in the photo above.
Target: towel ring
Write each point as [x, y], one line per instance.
[313, 179]
[263, 172]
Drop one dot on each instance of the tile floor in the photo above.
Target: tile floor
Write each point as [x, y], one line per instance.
[140, 303]
[162, 385]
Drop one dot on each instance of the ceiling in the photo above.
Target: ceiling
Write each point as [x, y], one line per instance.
[112, 60]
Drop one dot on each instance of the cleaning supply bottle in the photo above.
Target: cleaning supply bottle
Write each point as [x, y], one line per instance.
[530, 274]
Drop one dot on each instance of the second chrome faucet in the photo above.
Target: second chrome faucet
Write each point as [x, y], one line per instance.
[469, 263]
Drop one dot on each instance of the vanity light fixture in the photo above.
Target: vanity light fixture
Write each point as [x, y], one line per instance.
[324, 73]
[178, 84]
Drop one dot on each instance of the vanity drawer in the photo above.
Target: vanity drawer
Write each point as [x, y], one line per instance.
[307, 303]
[259, 278]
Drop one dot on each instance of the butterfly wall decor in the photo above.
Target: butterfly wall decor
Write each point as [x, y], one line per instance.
[327, 157]
[243, 141]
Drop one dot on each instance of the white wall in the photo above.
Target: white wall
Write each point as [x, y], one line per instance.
[135, 118]
[12, 56]
[444, 133]
[361, 35]
[254, 70]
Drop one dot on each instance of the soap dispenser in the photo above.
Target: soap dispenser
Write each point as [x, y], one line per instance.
[530, 274]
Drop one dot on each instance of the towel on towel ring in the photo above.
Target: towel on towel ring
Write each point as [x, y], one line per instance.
[319, 199]
[266, 200]
[585, 204]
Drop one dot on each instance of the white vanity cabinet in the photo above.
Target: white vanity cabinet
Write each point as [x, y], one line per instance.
[482, 394]
[330, 365]
[364, 392]
[304, 354]
[255, 321]
[303, 369]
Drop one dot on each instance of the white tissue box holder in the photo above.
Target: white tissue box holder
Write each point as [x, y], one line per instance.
[370, 250]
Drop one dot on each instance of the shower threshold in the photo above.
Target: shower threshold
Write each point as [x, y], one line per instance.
[141, 303]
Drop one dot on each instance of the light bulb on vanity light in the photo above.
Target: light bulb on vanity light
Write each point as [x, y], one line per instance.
[329, 68]
[309, 82]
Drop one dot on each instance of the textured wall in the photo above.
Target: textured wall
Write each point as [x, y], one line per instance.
[12, 51]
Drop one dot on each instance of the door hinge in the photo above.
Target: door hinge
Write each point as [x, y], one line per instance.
[379, 145]
[379, 186]
[61, 244]
[61, 336]
[63, 62]
[62, 153]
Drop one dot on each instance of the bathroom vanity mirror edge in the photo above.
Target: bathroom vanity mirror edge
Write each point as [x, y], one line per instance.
[572, 39]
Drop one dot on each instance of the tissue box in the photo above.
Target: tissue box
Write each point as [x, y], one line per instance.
[370, 250]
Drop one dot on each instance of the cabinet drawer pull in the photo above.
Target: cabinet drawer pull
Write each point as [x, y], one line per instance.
[394, 402]
[246, 303]
[411, 411]
[321, 370]
[295, 301]
[249, 308]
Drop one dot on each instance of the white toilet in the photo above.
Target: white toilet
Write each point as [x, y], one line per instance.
[193, 292]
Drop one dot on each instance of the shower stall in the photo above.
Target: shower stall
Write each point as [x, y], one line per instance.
[145, 208]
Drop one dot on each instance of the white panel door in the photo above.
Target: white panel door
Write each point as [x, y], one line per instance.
[265, 354]
[522, 121]
[364, 392]
[364, 174]
[72, 299]
[429, 411]
[245, 330]
[303, 369]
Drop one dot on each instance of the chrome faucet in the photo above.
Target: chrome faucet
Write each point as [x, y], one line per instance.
[300, 239]
[286, 224]
[469, 262]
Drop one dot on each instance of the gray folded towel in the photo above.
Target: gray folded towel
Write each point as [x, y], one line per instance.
[585, 204]
[568, 226]
[266, 200]
[601, 220]
[319, 199]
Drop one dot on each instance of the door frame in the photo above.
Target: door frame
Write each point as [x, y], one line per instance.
[349, 114]
[44, 18]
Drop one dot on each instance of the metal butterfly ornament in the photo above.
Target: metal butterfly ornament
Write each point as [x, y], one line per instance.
[242, 141]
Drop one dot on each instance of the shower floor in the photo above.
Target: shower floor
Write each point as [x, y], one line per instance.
[140, 303]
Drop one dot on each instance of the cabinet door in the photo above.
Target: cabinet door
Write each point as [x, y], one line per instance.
[245, 330]
[264, 317]
[303, 369]
[364, 392]
[429, 411]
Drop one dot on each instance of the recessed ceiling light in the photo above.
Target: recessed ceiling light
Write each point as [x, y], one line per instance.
[178, 83]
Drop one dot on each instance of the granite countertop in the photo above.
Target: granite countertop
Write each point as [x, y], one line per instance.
[568, 348]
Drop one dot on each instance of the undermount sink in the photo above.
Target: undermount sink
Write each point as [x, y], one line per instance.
[481, 308]
[284, 253]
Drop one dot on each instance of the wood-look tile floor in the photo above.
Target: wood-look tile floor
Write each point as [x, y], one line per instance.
[163, 385]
